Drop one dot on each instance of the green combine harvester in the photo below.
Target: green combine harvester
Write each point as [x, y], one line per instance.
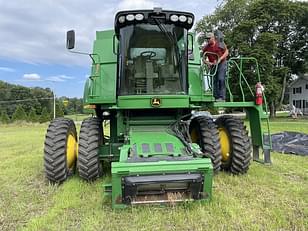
[149, 82]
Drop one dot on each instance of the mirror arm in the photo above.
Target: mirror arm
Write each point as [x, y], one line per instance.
[84, 53]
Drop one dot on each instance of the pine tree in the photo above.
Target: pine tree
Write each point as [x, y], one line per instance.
[45, 117]
[32, 116]
[19, 114]
[4, 118]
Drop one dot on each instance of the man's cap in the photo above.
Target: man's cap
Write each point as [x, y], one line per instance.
[209, 34]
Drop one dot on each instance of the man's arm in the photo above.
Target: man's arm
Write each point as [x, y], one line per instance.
[225, 54]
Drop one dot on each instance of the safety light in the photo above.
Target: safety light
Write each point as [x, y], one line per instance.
[121, 19]
[174, 18]
[182, 18]
[189, 20]
[130, 17]
[139, 17]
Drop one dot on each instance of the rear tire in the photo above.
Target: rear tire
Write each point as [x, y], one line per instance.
[203, 131]
[233, 133]
[60, 150]
[90, 139]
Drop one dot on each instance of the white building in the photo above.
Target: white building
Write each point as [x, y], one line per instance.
[298, 93]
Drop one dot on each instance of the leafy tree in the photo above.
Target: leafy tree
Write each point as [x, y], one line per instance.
[32, 116]
[74, 105]
[4, 118]
[37, 98]
[30, 97]
[19, 114]
[45, 116]
[59, 110]
[273, 31]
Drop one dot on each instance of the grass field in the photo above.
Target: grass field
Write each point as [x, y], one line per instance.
[267, 198]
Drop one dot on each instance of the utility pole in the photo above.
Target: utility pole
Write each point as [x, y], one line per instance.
[54, 97]
[54, 104]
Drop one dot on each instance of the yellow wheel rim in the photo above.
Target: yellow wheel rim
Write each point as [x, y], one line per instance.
[224, 143]
[71, 151]
[194, 136]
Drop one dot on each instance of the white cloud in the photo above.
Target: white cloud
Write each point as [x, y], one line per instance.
[135, 4]
[32, 77]
[7, 69]
[55, 79]
[35, 32]
[65, 77]
[59, 78]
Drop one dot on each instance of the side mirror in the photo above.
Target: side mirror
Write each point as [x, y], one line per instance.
[70, 39]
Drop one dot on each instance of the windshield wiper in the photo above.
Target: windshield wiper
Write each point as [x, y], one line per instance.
[171, 37]
[164, 30]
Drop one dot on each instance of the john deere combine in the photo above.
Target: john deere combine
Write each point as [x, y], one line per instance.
[148, 81]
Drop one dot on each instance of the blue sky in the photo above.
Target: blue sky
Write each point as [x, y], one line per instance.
[32, 40]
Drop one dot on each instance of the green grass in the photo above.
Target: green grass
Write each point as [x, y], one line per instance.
[267, 198]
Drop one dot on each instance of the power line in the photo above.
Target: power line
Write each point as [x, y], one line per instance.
[24, 100]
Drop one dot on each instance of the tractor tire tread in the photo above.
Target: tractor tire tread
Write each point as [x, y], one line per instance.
[209, 139]
[56, 170]
[240, 144]
[90, 138]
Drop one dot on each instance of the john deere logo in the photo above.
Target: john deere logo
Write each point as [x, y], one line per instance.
[155, 102]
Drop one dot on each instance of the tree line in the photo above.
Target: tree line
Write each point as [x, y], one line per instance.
[273, 31]
[19, 103]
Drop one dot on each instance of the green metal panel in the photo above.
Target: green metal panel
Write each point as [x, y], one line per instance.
[194, 72]
[152, 135]
[103, 46]
[144, 101]
[122, 169]
[255, 114]
[195, 83]
[101, 86]
[234, 104]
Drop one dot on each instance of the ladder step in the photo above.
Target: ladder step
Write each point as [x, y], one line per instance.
[266, 147]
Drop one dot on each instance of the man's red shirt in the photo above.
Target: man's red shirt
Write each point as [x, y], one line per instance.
[214, 48]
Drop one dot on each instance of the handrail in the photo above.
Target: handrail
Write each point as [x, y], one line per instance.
[239, 67]
[240, 81]
[234, 61]
[227, 84]
[208, 72]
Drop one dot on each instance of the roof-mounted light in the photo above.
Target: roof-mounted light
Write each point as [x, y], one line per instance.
[121, 19]
[182, 18]
[174, 18]
[139, 17]
[130, 17]
[189, 20]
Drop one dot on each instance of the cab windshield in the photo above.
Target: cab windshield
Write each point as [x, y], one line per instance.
[153, 59]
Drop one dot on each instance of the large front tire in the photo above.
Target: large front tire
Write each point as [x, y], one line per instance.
[90, 139]
[203, 131]
[235, 144]
[60, 150]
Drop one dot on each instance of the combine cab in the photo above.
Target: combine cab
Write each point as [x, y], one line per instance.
[162, 147]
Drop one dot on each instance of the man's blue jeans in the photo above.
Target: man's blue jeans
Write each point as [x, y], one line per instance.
[219, 81]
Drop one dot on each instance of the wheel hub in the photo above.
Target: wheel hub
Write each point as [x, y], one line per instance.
[225, 144]
[71, 150]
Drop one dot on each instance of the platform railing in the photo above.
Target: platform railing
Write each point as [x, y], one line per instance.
[238, 63]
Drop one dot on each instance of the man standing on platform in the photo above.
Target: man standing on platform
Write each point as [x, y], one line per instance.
[217, 55]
